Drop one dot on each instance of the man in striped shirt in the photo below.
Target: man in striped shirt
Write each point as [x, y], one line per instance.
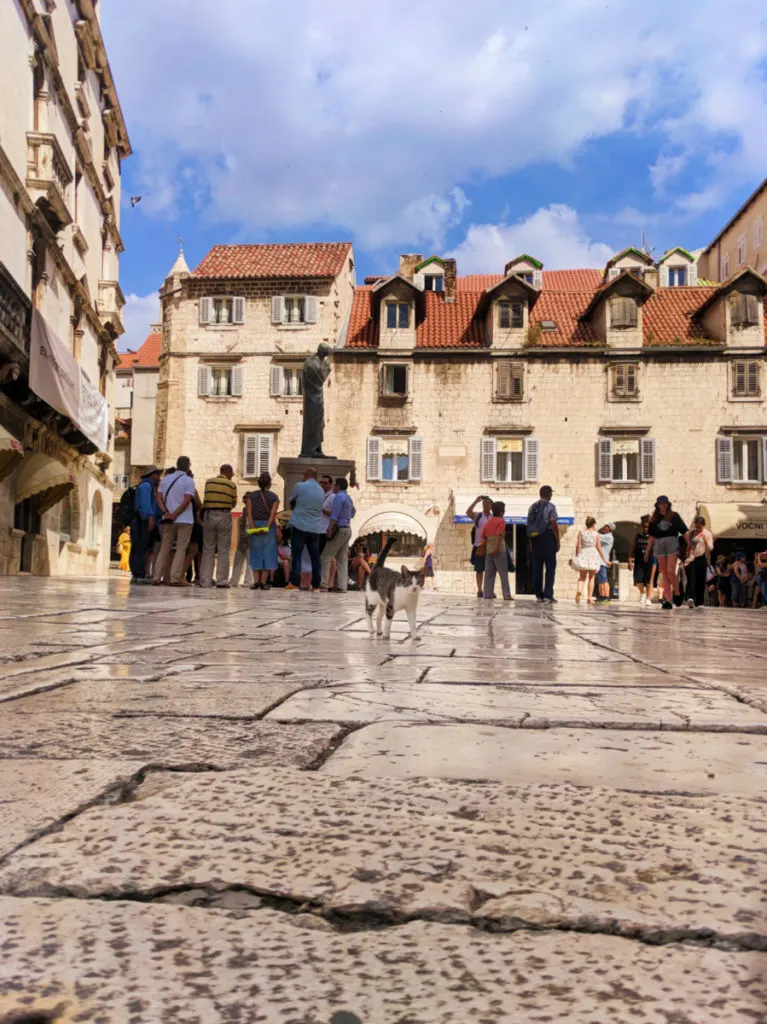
[218, 502]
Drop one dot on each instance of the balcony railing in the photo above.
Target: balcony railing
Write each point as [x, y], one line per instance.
[15, 312]
[110, 303]
[48, 174]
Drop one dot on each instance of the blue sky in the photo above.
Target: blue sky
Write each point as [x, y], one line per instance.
[563, 129]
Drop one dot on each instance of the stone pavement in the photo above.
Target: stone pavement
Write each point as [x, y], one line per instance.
[238, 807]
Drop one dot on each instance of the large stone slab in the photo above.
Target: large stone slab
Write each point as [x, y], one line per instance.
[531, 707]
[179, 965]
[37, 794]
[544, 856]
[644, 762]
[177, 741]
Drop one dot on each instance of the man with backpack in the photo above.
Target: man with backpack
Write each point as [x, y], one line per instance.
[146, 514]
[543, 536]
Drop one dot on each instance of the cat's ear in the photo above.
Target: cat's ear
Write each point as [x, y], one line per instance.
[406, 573]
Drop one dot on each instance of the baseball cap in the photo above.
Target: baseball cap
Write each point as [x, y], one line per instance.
[662, 500]
[611, 527]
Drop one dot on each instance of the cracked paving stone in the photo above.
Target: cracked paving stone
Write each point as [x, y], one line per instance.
[532, 707]
[37, 794]
[659, 762]
[219, 742]
[662, 868]
[124, 962]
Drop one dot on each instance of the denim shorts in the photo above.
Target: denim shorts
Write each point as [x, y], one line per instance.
[664, 546]
[602, 574]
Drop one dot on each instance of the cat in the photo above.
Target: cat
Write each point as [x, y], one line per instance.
[389, 592]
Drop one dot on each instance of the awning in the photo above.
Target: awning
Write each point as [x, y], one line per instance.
[392, 522]
[731, 519]
[516, 507]
[45, 479]
[11, 453]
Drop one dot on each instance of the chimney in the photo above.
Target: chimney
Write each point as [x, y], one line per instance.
[450, 280]
[408, 261]
[507, 268]
[650, 277]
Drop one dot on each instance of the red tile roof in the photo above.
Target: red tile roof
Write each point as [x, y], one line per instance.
[450, 324]
[361, 333]
[667, 317]
[553, 280]
[146, 357]
[302, 259]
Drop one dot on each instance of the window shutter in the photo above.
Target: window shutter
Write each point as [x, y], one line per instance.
[408, 387]
[538, 279]
[277, 309]
[517, 381]
[265, 446]
[382, 381]
[605, 446]
[623, 311]
[374, 458]
[752, 310]
[531, 459]
[275, 381]
[619, 379]
[613, 273]
[250, 456]
[752, 380]
[739, 378]
[724, 460]
[764, 459]
[647, 467]
[489, 459]
[415, 462]
[631, 379]
[310, 309]
[206, 310]
[203, 380]
[238, 309]
[692, 274]
[419, 281]
[663, 275]
[238, 379]
[504, 381]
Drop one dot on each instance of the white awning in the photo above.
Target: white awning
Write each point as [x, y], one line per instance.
[516, 507]
[45, 479]
[392, 522]
[733, 520]
[11, 453]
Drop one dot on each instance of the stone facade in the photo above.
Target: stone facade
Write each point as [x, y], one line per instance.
[62, 138]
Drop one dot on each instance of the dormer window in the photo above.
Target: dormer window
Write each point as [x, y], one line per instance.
[677, 277]
[434, 282]
[744, 310]
[511, 315]
[397, 315]
[623, 312]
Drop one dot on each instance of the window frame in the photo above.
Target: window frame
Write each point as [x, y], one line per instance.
[434, 278]
[674, 272]
[746, 304]
[758, 233]
[375, 458]
[513, 309]
[488, 458]
[385, 369]
[724, 269]
[646, 459]
[300, 302]
[207, 307]
[511, 374]
[750, 372]
[743, 440]
[259, 445]
[397, 305]
[628, 302]
[622, 393]
[742, 248]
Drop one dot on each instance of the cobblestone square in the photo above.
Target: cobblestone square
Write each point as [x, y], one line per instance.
[236, 806]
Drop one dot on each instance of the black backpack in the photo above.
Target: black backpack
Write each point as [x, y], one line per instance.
[125, 512]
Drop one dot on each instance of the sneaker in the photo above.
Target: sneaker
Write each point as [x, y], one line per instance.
[480, 594]
[667, 606]
[222, 586]
[316, 590]
[291, 587]
[550, 600]
[690, 603]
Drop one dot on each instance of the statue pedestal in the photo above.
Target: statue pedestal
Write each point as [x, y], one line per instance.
[292, 471]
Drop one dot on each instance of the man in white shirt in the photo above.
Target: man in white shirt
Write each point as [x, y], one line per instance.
[175, 496]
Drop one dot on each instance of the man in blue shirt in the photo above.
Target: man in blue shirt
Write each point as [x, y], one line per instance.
[307, 526]
[339, 534]
[144, 524]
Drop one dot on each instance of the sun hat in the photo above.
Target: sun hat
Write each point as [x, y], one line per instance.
[611, 527]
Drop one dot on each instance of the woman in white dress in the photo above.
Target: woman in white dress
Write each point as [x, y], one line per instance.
[588, 559]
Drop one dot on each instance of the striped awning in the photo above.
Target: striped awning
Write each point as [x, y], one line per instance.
[392, 522]
[11, 453]
[45, 480]
[734, 520]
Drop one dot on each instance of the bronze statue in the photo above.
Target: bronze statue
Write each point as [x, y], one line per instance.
[316, 372]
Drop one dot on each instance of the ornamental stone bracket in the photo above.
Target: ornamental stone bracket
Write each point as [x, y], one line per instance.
[110, 303]
[48, 174]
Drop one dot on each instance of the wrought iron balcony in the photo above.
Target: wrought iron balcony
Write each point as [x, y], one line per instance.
[15, 312]
[48, 174]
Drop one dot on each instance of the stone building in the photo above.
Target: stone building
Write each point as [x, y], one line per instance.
[62, 140]
[611, 386]
[135, 397]
[740, 243]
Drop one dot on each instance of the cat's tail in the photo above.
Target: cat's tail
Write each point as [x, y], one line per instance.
[387, 548]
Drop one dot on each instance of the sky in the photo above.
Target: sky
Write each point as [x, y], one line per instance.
[566, 129]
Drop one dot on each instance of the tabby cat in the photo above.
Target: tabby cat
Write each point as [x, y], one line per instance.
[388, 592]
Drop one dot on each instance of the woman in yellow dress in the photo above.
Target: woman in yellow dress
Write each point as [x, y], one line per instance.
[123, 549]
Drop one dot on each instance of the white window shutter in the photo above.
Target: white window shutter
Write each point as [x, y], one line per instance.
[277, 309]
[488, 459]
[764, 459]
[206, 310]
[647, 467]
[419, 280]
[310, 309]
[415, 462]
[692, 274]
[531, 451]
[613, 273]
[752, 379]
[504, 381]
[238, 309]
[605, 445]
[250, 456]
[203, 380]
[538, 279]
[265, 449]
[724, 460]
[276, 375]
[374, 458]
[238, 380]
[663, 275]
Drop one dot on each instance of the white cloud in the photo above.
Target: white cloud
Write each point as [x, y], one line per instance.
[552, 234]
[139, 313]
[368, 116]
